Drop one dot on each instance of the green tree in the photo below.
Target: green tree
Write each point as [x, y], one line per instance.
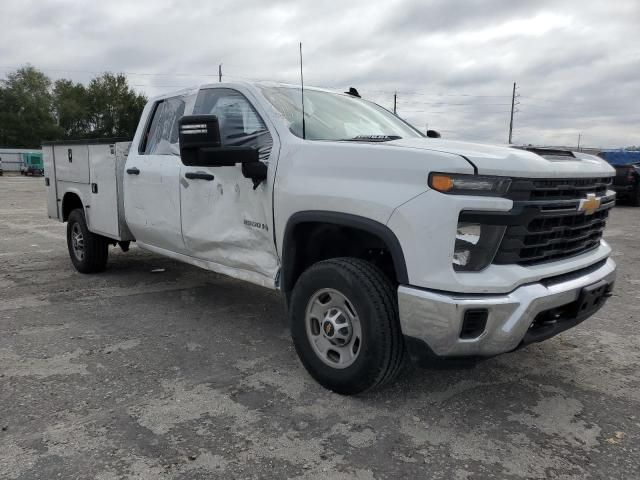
[32, 110]
[26, 115]
[71, 108]
[114, 108]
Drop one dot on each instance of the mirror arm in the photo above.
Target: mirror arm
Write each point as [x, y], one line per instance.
[256, 171]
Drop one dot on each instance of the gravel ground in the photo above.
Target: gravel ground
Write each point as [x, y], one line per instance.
[187, 374]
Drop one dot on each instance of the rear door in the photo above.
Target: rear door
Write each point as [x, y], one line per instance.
[152, 178]
[225, 220]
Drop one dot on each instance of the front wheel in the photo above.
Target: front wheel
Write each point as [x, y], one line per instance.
[88, 251]
[345, 327]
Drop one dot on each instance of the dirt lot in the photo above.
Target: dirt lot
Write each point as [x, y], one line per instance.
[187, 374]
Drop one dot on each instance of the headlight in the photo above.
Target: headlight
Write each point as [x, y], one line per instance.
[458, 184]
[475, 246]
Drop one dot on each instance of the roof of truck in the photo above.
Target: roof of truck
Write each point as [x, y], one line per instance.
[256, 84]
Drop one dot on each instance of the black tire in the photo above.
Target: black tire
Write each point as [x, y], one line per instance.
[95, 247]
[382, 351]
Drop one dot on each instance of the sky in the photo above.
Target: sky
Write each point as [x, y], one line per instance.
[451, 63]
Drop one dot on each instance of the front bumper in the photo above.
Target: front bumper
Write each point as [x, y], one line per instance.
[436, 318]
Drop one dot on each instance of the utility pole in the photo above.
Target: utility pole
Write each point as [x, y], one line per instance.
[220, 73]
[395, 102]
[579, 137]
[513, 103]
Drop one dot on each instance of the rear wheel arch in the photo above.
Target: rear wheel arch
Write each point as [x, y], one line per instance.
[70, 201]
[303, 243]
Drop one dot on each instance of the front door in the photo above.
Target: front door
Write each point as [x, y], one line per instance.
[225, 220]
[152, 176]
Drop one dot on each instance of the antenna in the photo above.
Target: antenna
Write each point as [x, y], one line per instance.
[304, 132]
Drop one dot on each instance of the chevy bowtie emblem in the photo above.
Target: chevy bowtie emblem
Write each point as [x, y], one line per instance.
[590, 204]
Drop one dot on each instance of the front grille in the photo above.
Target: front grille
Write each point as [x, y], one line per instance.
[547, 224]
[557, 189]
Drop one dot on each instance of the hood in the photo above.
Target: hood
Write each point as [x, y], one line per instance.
[515, 162]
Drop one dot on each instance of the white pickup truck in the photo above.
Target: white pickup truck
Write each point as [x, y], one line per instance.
[386, 243]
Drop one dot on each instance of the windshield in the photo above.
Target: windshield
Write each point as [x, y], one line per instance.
[333, 116]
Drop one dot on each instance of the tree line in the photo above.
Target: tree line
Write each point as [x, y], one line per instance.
[33, 108]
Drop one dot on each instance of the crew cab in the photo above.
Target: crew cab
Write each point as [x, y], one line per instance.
[385, 243]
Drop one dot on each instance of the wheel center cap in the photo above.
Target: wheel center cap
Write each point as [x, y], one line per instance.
[336, 327]
[329, 329]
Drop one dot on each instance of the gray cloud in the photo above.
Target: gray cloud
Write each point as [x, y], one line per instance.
[452, 63]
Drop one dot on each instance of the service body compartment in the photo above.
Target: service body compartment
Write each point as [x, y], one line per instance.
[50, 181]
[102, 211]
[72, 162]
[92, 170]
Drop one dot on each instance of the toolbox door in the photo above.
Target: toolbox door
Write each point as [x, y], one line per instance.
[50, 181]
[72, 163]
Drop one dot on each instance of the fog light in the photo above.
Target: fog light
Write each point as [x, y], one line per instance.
[475, 245]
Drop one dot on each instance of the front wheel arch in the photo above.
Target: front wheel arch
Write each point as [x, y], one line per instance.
[293, 254]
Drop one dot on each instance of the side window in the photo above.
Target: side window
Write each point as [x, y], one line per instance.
[162, 135]
[240, 124]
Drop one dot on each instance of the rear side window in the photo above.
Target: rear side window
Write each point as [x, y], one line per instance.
[161, 137]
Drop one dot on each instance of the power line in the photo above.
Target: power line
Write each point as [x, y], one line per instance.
[149, 74]
[214, 75]
[452, 104]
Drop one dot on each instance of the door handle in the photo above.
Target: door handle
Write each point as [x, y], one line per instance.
[199, 176]
[133, 171]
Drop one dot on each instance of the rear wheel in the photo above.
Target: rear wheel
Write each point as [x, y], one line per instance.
[345, 327]
[88, 251]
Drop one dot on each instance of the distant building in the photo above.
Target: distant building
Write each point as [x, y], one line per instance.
[12, 157]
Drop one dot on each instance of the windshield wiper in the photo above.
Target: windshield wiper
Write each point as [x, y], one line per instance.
[373, 138]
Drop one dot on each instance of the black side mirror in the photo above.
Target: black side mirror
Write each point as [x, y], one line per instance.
[199, 131]
[200, 144]
[433, 134]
